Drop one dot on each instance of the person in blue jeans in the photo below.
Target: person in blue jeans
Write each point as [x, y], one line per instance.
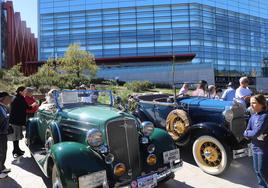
[257, 131]
[5, 100]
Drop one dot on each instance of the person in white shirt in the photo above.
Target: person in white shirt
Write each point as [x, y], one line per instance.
[184, 90]
[243, 93]
[49, 103]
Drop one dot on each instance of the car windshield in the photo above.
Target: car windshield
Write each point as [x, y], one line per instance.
[82, 97]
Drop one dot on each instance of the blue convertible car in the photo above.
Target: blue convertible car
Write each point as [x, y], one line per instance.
[213, 127]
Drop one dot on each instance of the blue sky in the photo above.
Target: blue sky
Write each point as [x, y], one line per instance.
[28, 10]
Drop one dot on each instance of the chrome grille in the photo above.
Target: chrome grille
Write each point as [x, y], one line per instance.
[123, 142]
[238, 124]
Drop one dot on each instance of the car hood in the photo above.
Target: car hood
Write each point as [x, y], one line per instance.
[96, 114]
[206, 103]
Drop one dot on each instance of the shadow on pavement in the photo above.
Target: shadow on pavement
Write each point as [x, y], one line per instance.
[10, 182]
[174, 183]
[240, 171]
[29, 164]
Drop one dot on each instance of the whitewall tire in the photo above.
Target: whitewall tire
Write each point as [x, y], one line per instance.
[212, 156]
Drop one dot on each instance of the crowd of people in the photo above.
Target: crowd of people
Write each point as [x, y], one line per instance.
[242, 94]
[14, 111]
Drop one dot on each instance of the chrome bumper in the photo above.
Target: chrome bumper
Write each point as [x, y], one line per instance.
[165, 173]
[173, 168]
[244, 152]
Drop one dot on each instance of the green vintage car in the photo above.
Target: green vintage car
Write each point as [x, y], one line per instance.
[82, 140]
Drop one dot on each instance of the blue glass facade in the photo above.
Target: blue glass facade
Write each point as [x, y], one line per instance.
[232, 34]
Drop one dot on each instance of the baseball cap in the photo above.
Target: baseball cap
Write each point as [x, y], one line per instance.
[29, 89]
[4, 94]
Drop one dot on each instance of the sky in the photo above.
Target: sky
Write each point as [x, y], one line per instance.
[28, 10]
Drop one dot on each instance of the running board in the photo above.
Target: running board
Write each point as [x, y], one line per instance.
[244, 152]
[40, 156]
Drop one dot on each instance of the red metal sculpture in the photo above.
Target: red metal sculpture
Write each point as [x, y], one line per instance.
[21, 44]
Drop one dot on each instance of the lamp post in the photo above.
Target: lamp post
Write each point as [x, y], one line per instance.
[173, 73]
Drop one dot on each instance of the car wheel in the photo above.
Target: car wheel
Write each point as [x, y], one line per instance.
[56, 181]
[177, 123]
[211, 155]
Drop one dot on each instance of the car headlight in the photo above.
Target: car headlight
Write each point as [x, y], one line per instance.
[228, 115]
[147, 128]
[119, 169]
[151, 159]
[94, 137]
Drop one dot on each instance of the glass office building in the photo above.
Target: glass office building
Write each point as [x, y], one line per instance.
[232, 35]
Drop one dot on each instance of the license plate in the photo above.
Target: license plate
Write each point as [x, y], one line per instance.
[147, 181]
[171, 156]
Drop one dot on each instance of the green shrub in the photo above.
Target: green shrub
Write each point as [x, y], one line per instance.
[2, 73]
[138, 86]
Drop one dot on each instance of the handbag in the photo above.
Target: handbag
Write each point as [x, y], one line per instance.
[10, 130]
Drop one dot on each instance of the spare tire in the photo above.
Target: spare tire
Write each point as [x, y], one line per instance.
[177, 123]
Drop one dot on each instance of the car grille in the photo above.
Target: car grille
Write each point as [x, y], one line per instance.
[123, 142]
[238, 124]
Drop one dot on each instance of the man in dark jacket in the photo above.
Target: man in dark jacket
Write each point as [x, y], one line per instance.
[5, 100]
[18, 119]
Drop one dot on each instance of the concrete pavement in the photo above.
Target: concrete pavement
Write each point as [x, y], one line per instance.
[26, 174]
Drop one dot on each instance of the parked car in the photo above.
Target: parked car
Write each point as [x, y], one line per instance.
[213, 127]
[92, 144]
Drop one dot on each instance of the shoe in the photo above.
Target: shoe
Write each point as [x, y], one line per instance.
[3, 175]
[6, 170]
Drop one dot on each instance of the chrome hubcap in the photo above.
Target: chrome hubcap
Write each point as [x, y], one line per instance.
[211, 154]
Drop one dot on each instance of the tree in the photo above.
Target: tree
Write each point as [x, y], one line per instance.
[46, 76]
[14, 75]
[77, 61]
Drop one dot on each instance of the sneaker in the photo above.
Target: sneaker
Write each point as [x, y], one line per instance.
[3, 175]
[6, 170]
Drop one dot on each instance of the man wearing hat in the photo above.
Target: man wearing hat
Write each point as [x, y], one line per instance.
[229, 93]
[5, 100]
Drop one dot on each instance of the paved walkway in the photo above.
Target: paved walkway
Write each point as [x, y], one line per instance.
[26, 174]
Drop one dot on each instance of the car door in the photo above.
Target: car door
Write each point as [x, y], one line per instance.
[161, 111]
[147, 107]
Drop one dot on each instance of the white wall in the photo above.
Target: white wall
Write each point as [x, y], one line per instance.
[160, 73]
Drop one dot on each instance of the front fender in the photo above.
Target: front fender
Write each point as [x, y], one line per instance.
[31, 128]
[214, 129]
[55, 130]
[163, 142]
[73, 160]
